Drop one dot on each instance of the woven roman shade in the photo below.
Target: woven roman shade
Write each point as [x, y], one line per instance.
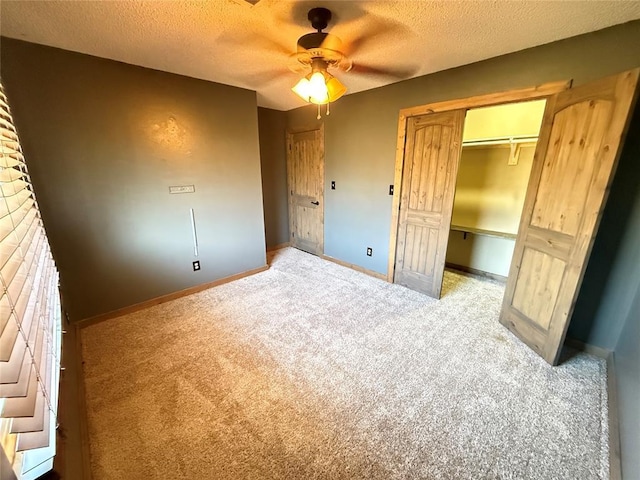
[30, 316]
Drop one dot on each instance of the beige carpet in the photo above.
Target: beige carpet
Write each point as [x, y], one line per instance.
[313, 371]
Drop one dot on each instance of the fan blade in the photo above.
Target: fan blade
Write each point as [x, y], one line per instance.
[346, 18]
[276, 46]
[374, 30]
[265, 77]
[393, 73]
[256, 42]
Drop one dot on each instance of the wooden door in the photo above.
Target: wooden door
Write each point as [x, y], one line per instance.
[432, 155]
[305, 178]
[575, 159]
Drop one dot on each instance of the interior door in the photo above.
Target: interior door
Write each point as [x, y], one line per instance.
[305, 174]
[575, 159]
[432, 155]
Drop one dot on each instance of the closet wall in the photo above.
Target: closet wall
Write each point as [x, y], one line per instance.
[497, 154]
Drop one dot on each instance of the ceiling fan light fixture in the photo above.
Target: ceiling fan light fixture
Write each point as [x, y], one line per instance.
[319, 94]
[335, 88]
[319, 87]
[304, 89]
[319, 50]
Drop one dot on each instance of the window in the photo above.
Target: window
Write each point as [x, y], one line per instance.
[30, 318]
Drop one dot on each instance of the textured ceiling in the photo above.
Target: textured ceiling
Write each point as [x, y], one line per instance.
[238, 43]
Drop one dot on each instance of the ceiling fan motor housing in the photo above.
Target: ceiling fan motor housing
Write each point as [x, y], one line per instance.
[319, 18]
[314, 49]
[319, 40]
[311, 41]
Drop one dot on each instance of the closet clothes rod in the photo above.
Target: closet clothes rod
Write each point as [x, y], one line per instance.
[501, 140]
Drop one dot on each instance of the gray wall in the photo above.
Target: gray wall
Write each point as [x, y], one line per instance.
[273, 159]
[627, 357]
[104, 141]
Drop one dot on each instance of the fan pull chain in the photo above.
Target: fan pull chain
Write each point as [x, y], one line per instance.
[318, 117]
[328, 112]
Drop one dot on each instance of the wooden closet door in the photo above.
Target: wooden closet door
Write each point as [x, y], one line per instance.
[432, 155]
[580, 141]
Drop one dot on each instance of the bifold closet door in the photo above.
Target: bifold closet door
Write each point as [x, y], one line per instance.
[580, 141]
[432, 155]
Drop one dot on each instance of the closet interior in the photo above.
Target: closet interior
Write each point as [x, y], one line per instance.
[497, 154]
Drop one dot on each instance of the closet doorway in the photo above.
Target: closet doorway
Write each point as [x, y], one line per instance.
[498, 146]
[583, 130]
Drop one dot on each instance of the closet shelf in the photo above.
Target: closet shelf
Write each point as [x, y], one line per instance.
[481, 231]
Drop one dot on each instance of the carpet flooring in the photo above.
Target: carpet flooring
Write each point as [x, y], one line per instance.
[310, 370]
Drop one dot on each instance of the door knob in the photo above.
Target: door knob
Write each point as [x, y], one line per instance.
[316, 203]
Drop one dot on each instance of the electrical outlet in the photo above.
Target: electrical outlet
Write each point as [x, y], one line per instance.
[333, 185]
[390, 189]
[196, 265]
[369, 251]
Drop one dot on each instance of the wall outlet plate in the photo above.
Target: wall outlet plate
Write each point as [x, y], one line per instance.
[333, 185]
[390, 189]
[369, 251]
[196, 265]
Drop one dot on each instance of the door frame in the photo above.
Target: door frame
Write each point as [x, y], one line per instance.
[288, 134]
[537, 92]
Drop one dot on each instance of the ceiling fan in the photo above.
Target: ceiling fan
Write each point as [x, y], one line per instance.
[320, 51]
[360, 33]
